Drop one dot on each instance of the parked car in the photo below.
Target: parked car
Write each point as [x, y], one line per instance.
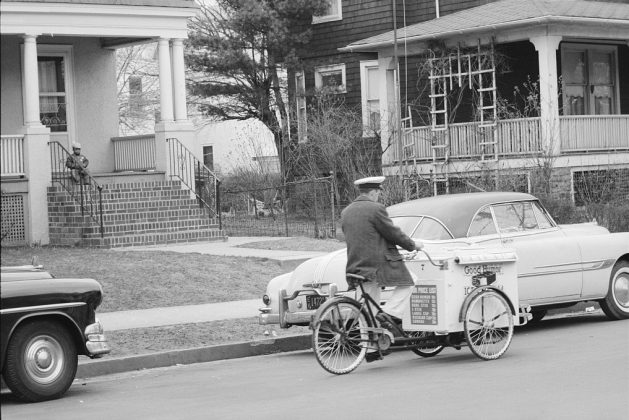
[46, 323]
[558, 265]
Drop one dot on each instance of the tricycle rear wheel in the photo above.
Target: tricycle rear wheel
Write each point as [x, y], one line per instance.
[488, 325]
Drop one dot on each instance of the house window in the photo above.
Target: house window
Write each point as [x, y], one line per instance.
[334, 11]
[300, 93]
[589, 84]
[208, 157]
[370, 96]
[52, 93]
[330, 79]
[135, 94]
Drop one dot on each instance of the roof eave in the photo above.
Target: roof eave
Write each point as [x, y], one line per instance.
[375, 46]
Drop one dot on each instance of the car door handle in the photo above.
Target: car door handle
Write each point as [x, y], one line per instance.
[507, 240]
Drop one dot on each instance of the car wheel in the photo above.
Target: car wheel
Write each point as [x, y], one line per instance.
[616, 303]
[41, 361]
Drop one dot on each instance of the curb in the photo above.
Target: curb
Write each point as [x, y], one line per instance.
[105, 366]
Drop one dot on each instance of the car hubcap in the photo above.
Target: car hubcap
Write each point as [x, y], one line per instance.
[621, 288]
[43, 359]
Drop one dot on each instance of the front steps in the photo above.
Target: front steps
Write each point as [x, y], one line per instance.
[134, 214]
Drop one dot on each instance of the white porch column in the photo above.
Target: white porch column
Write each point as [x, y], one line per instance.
[36, 151]
[179, 81]
[30, 81]
[389, 108]
[165, 81]
[546, 47]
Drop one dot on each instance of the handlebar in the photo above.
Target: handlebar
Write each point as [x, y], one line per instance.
[411, 255]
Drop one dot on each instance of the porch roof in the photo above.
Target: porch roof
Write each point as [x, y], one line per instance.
[503, 15]
[116, 22]
[163, 3]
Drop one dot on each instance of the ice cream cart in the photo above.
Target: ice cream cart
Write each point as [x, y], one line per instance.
[466, 295]
[463, 296]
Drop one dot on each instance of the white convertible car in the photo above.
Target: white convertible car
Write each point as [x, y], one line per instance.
[558, 265]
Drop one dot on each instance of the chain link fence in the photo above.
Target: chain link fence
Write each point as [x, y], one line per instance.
[301, 208]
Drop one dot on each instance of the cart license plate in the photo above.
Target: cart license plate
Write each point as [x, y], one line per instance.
[313, 301]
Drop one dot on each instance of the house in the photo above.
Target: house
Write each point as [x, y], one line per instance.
[59, 87]
[228, 147]
[436, 82]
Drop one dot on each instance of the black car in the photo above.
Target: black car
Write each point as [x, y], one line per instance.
[46, 323]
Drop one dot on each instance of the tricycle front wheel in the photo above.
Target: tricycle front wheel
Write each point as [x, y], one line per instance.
[488, 325]
[340, 337]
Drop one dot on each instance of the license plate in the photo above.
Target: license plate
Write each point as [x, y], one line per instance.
[314, 301]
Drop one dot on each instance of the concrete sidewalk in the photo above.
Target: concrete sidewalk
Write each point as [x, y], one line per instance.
[173, 315]
[234, 247]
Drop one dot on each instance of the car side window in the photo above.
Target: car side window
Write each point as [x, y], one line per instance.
[543, 221]
[483, 223]
[432, 230]
[515, 217]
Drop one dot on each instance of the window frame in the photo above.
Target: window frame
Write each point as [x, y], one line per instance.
[301, 106]
[66, 52]
[320, 70]
[588, 50]
[365, 66]
[331, 17]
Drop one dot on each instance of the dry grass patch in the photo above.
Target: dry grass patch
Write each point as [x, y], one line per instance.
[177, 337]
[151, 279]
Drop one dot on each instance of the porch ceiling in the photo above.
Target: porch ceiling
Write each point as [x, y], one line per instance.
[511, 20]
[117, 20]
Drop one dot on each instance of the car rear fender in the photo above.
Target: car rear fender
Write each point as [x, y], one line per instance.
[56, 316]
[476, 292]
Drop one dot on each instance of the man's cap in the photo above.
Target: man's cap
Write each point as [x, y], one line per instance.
[369, 182]
[76, 145]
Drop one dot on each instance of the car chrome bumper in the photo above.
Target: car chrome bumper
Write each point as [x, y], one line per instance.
[96, 342]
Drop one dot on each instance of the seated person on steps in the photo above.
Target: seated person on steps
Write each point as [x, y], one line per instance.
[372, 252]
[78, 165]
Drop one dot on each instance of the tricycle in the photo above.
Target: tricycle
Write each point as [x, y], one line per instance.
[461, 297]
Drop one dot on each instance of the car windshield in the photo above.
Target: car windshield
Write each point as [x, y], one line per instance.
[418, 227]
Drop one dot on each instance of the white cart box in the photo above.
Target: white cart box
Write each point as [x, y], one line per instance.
[436, 303]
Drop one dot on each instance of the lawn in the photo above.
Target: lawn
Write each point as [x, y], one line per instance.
[141, 280]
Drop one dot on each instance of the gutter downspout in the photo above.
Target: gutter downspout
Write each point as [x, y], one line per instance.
[396, 75]
[438, 15]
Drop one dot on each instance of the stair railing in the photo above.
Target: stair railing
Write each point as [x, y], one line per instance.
[89, 196]
[196, 176]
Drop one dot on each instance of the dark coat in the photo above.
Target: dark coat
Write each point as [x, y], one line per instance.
[371, 239]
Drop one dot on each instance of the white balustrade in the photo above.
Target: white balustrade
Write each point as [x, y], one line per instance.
[12, 155]
[134, 153]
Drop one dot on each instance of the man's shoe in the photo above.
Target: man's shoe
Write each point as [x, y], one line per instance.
[376, 355]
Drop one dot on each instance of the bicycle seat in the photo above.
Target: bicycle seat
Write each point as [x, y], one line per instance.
[354, 280]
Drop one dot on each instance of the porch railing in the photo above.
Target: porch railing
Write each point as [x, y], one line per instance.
[515, 136]
[12, 155]
[194, 175]
[581, 133]
[89, 196]
[134, 153]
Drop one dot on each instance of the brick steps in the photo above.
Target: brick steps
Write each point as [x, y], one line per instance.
[134, 214]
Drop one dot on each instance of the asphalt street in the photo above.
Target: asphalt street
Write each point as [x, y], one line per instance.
[566, 368]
